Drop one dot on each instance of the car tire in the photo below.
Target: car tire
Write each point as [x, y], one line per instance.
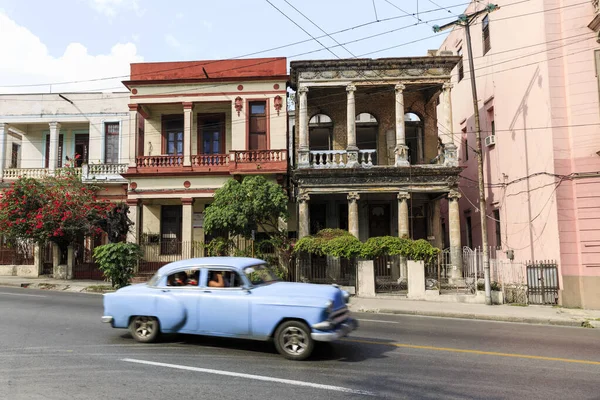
[293, 340]
[144, 329]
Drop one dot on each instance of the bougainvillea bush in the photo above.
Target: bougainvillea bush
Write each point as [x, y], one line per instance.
[59, 209]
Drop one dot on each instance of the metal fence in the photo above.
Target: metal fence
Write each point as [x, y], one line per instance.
[542, 282]
[326, 270]
[16, 253]
[391, 274]
[156, 254]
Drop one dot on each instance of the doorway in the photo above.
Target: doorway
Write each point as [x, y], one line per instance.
[82, 143]
[379, 220]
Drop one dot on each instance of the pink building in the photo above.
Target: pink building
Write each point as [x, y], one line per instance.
[537, 67]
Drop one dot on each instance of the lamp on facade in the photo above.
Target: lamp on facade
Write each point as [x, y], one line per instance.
[238, 105]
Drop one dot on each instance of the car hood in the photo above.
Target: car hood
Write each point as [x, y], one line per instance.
[132, 288]
[309, 290]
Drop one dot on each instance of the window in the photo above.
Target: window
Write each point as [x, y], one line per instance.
[320, 132]
[60, 151]
[493, 127]
[170, 229]
[469, 232]
[14, 155]
[498, 232]
[223, 278]
[82, 143]
[173, 134]
[460, 66]
[188, 278]
[141, 135]
[211, 133]
[111, 143]
[485, 31]
[466, 149]
[258, 125]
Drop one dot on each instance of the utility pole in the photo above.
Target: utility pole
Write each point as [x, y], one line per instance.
[465, 21]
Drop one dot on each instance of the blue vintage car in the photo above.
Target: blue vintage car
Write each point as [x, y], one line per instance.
[231, 297]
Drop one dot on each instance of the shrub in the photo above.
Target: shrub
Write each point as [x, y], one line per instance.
[117, 262]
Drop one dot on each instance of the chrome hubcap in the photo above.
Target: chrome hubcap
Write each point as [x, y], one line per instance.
[294, 340]
[144, 327]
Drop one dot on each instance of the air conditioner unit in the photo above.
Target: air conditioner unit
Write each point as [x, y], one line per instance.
[490, 140]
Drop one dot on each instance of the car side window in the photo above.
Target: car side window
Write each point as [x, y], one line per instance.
[221, 278]
[189, 277]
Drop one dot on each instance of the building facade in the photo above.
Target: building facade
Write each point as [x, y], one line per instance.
[540, 122]
[193, 126]
[368, 154]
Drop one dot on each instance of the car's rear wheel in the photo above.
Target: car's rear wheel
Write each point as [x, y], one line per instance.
[293, 340]
[144, 329]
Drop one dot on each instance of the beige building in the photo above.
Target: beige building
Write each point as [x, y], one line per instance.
[194, 125]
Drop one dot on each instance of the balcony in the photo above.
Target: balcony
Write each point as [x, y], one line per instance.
[88, 173]
[339, 158]
[234, 162]
[595, 24]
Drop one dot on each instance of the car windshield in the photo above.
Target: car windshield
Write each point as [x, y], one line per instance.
[154, 280]
[261, 274]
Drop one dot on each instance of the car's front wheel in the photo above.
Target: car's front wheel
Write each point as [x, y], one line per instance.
[144, 329]
[293, 340]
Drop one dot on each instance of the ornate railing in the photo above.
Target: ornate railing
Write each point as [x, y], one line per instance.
[159, 161]
[16, 173]
[106, 169]
[209, 160]
[258, 156]
[327, 158]
[365, 157]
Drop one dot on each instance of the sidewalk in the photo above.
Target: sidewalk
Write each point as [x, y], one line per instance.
[547, 315]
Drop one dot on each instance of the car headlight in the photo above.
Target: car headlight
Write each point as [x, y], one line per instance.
[329, 307]
[346, 296]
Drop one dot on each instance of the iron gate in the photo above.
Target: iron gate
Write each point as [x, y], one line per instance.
[542, 282]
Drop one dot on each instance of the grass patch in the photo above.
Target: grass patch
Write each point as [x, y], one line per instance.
[518, 304]
[47, 286]
[586, 324]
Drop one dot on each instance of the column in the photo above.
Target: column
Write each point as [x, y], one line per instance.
[303, 215]
[134, 215]
[447, 129]
[403, 222]
[187, 134]
[303, 148]
[401, 149]
[187, 232]
[353, 228]
[456, 274]
[133, 135]
[53, 157]
[3, 136]
[351, 148]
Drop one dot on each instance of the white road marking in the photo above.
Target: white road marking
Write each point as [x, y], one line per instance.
[378, 320]
[249, 376]
[22, 294]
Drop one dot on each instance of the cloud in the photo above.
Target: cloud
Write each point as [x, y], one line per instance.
[179, 15]
[30, 63]
[111, 8]
[172, 41]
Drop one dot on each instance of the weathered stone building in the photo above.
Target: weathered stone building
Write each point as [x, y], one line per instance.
[368, 154]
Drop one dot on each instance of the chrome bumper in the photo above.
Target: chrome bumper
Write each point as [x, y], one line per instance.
[342, 330]
[107, 319]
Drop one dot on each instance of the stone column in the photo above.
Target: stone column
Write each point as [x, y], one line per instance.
[3, 136]
[187, 134]
[351, 148]
[456, 273]
[133, 135]
[403, 221]
[401, 150]
[187, 231]
[53, 156]
[134, 215]
[447, 134]
[353, 227]
[303, 148]
[70, 262]
[303, 215]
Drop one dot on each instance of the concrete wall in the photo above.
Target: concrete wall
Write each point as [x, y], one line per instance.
[538, 84]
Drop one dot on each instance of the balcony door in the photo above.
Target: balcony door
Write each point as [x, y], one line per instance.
[82, 144]
[170, 229]
[211, 133]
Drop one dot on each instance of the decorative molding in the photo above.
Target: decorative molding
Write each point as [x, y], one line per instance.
[454, 195]
[187, 201]
[278, 103]
[239, 104]
[187, 184]
[403, 196]
[399, 88]
[240, 87]
[370, 74]
[351, 88]
[276, 86]
[303, 198]
[303, 89]
[188, 105]
[353, 197]
[447, 86]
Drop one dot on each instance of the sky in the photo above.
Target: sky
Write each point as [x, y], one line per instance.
[45, 44]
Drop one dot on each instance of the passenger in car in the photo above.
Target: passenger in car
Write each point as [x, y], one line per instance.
[216, 279]
[193, 279]
[181, 279]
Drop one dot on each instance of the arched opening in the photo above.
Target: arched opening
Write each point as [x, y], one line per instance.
[320, 132]
[413, 124]
[367, 128]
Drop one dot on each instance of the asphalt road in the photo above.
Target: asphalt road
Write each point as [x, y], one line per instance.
[53, 346]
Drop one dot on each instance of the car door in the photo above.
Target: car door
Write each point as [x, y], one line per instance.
[187, 295]
[224, 311]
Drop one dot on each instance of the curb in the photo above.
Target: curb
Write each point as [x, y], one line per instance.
[537, 321]
[54, 288]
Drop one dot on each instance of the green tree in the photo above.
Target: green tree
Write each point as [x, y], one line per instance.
[254, 204]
